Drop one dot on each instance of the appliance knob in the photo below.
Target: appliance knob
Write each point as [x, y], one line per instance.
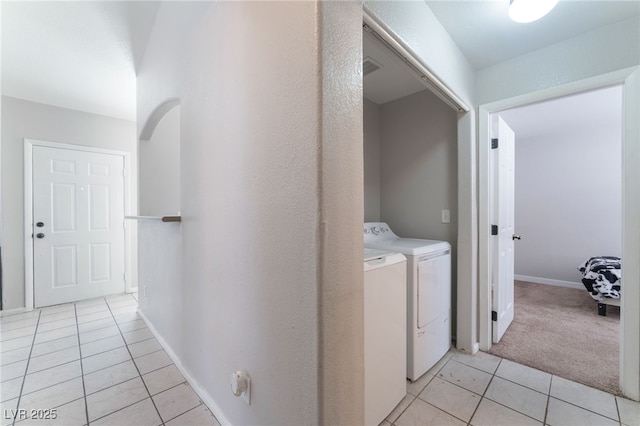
[375, 230]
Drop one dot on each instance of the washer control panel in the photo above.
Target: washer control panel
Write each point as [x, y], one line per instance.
[377, 231]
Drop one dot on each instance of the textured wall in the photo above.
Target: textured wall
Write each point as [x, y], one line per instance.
[266, 287]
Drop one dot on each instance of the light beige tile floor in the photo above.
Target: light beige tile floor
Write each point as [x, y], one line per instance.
[96, 362]
[483, 389]
[91, 362]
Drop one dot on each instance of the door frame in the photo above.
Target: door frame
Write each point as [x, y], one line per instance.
[28, 211]
[629, 79]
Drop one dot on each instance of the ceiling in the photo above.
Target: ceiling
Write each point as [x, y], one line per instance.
[84, 55]
[598, 108]
[486, 36]
[80, 55]
[393, 80]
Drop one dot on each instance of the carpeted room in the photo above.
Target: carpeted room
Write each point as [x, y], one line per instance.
[558, 330]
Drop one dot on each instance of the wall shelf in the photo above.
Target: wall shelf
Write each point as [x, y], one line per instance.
[160, 218]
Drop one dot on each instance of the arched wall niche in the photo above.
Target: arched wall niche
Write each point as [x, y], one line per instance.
[155, 117]
[159, 161]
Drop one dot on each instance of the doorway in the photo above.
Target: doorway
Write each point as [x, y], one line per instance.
[629, 349]
[568, 205]
[76, 244]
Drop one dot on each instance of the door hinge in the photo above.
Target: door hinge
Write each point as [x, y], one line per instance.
[494, 229]
[494, 316]
[494, 143]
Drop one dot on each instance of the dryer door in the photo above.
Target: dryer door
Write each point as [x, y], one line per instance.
[434, 286]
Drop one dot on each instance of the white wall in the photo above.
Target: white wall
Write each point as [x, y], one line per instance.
[568, 184]
[160, 285]
[271, 201]
[159, 168]
[23, 119]
[371, 141]
[568, 201]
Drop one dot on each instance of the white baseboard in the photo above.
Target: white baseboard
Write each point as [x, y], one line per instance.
[14, 311]
[203, 394]
[547, 281]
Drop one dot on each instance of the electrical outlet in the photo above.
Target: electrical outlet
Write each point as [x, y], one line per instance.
[446, 216]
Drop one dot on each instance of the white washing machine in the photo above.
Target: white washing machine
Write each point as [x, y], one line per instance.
[428, 294]
[385, 333]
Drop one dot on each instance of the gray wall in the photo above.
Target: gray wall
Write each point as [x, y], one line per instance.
[23, 119]
[568, 201]
[371, 143]
[419, 169]
[419, 166]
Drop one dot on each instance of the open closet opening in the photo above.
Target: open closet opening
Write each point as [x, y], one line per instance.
[410, 152]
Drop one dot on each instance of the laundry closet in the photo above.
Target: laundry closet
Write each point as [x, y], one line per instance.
[410, 152]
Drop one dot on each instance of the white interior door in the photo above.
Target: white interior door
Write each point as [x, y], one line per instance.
[78, 225]
[502, 274]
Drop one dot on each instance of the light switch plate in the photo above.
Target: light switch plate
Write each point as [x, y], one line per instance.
[446, 216]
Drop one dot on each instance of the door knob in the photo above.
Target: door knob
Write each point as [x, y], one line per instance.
[40, 235]
[516, 237]
[40, 224]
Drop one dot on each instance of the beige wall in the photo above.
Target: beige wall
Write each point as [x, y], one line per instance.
[24, 119]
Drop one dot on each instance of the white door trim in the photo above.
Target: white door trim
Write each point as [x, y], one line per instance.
[630, 316]
[28, 210]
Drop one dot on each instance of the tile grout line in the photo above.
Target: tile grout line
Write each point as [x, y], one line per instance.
[546, 408]
[24, 378]
[202, 403]
[585, 408]
[191, 409]
[142, 400]
[135, 365]
[615, 398]
[84, 389]
[493, 375]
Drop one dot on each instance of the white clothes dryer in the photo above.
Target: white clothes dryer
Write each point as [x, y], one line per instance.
[428, 294]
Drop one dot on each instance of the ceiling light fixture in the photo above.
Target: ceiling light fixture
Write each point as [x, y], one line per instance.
[525, 11]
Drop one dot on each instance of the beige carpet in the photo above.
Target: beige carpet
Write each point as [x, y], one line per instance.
[558, 330]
